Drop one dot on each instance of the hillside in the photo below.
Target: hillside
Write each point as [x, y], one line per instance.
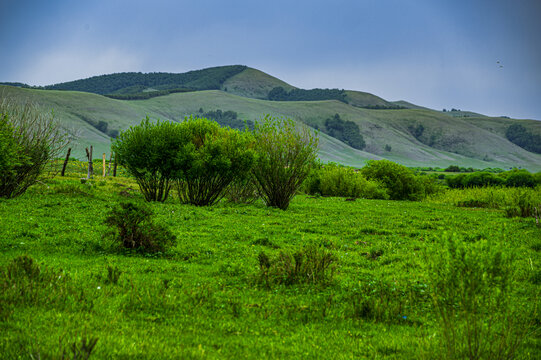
[476, 142]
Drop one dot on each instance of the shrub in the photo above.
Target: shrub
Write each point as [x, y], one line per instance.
[481, 179]
[210, 160]
[149, 152]
[520, 178]
[400, 181]
[29, 139]
[336, 180]
[311, 264]
[242, 190]
[285, 157]
[135, 229]
[470, 287]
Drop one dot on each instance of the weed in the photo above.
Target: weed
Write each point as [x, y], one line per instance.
[135, 229]
[113, 274]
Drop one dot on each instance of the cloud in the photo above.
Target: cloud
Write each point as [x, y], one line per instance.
[60, 65]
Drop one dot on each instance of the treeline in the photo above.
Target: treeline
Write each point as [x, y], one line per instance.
[281, 94]
[384, 107]
[227, 118]
[345, 131]
[520, 136]
[206, 79]
[147, 94]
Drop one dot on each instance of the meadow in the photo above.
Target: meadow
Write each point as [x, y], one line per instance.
[66, 287]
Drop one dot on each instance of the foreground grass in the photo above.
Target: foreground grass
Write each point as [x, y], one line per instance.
[204, 298]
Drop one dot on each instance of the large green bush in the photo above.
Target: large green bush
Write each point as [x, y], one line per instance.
[400, 181]
[335, 180]
[150, 153]
[29, 138]
[211, 159]
[286, 154]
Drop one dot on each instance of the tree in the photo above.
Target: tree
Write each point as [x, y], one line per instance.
[29, 139]
[286, 155]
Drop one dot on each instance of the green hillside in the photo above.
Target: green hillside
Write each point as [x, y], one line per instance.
[415, 136]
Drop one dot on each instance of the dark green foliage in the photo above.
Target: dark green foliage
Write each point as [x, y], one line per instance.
[384, 107]
[134, 229]
[345, 131]
[388, 147]
[527, 140]
[28, 140]
[312, 265]
[206, 79]
[146, 95]
[285, 157]
[416, 130]
[242, 191]
[524, 204]
[401, 182]
[210, 159]
[471, 289]
[280, 94]
[476, 179]
[227, 118]
[453, 168]
[149, 152]
[520, 178]
[80, 351]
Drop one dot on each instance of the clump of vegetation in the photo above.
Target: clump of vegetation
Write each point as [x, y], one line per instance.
[29, 139]
[520, 136]
[210, 159]
[134, 229]
[285, 157]
[471, 290]
[345, 131]
[401, 182]
[149, 152]
[280, 94]
[310, 265]
[242, 191]
[227, 118]
[335, 180]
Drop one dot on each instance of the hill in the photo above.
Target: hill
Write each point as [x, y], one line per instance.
[398, 131]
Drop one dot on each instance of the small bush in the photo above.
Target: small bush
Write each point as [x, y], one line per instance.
[313, 265]
[285, 157]
[135, 230]
[401, 182]
[471, 291]
[520, 178]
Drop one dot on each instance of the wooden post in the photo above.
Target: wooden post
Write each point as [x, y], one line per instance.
[109, 166]
[114, 167]
[65, 163]
[103, 167]
[90, 167]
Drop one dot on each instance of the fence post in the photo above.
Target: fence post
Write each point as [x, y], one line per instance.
[90, 166]
[103, 167]
[65, 162]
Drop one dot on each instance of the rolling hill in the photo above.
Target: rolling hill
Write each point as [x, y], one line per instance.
[398, 131]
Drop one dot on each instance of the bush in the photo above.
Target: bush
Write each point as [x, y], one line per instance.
[149, 152]
[470, 287]
[285, 157]
[243, 191]
[336, 180]
[481, 179]
[210, 160]
[29, 139]
[135, 229]
[312, 264]
[520, 178]
[400, 181]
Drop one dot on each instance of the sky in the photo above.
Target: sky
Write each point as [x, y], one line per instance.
[476, 55]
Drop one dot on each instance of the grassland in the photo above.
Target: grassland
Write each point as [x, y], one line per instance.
[205, 299]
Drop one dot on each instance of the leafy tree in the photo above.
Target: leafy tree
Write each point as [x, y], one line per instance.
[286, 155]
[149, 152]
[345, 131]
[520, 136]
[280, 94]
[29, 138]
[211, 158]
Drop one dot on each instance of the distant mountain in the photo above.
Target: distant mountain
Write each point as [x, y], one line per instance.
[359, 127]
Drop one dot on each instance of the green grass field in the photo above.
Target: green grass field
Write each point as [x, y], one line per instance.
[205, 297]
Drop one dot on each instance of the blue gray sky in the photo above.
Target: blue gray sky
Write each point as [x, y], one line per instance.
[478, 55]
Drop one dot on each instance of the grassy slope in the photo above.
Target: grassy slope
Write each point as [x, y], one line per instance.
[471, 140]
[253, 83]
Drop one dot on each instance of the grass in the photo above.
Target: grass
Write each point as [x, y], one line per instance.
[477, 142]
[205, 298]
